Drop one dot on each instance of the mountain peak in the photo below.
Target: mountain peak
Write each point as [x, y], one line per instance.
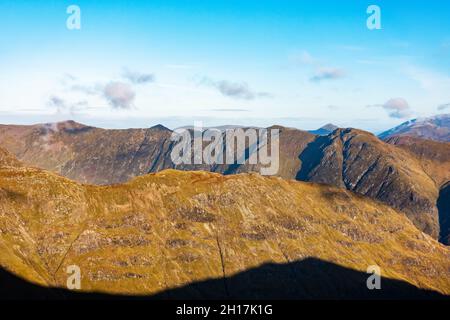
[160, 127]
[324, 130]
[330, 127]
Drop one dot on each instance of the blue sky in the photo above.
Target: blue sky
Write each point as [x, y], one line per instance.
[295, 63]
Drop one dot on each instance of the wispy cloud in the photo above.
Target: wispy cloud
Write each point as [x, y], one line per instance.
[136, 77]
[304, 57]
[236, 90]
[87, 89]
[67, 78]
[322, 72]
[444, 107]
[57, 102]
[63, 106]
[327, 74]
[72, 83]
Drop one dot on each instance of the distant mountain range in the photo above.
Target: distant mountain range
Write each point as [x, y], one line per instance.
[434, 128]
[201, 235]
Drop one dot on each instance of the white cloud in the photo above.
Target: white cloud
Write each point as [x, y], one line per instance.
[398, 108]
[119, 95]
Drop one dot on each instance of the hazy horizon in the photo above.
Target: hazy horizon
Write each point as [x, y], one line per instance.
[174, 123]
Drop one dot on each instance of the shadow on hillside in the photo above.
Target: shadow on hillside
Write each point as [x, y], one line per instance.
[443, 205]
[307, 279]
[311, 157]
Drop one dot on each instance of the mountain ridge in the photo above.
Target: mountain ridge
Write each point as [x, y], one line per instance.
[348, 158]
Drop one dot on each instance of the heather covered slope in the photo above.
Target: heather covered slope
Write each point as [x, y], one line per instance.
[7, 159]
[170, 229]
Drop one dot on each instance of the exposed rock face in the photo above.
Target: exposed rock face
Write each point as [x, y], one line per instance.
[172, 228]
[434, 128]
[405, 175]
[360, 162]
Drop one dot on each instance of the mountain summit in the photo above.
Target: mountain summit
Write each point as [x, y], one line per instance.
[326, 129]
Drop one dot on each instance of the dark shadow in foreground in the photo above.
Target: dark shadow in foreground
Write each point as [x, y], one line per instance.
[443, 205]
[307, 279]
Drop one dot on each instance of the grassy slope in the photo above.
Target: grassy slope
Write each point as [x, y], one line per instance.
[164, 230]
